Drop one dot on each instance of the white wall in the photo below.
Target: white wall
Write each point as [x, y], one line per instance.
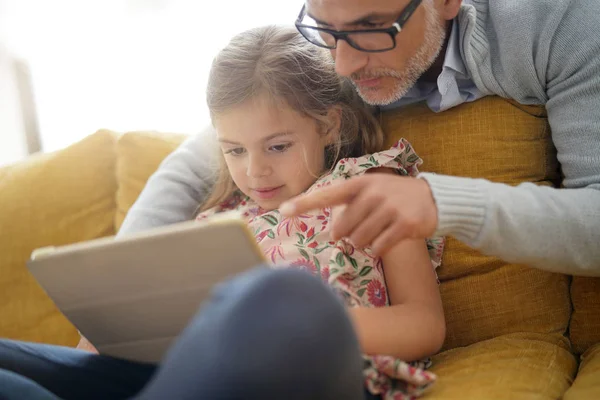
[12, 135]
[127, 64]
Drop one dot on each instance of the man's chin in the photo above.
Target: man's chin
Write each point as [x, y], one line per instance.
[387, 92]
[377, 97]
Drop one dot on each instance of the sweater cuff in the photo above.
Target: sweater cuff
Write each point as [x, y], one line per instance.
[461, 204]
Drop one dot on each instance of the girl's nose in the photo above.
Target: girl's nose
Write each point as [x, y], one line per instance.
[257, 167]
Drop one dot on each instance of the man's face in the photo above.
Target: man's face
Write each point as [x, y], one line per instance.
[383, 78]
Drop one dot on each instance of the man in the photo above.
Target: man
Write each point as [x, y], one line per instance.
[447, 53]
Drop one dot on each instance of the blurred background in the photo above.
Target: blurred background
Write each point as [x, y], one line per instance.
[71, 67]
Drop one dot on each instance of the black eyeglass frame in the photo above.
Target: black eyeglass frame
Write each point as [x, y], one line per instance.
[393, 30]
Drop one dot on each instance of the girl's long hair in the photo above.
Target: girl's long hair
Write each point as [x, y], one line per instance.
[278, 62]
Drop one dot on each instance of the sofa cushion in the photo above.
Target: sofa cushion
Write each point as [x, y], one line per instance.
[505, 142]
[138, 155]
[50, 199]
[587, 383]
[516, 366]
[584, 330]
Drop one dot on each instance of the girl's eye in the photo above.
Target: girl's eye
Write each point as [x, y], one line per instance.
[280, 148]
[238, 151]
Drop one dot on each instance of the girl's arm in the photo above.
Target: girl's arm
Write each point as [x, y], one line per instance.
[413, 327]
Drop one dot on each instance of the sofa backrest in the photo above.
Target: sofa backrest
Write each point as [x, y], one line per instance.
[584, 329]
[50, 199]
[139, 154]
[505, 142]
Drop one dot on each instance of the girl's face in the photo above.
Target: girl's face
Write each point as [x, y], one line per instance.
[272, 153]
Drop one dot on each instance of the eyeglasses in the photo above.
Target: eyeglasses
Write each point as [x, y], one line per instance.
[368, 40]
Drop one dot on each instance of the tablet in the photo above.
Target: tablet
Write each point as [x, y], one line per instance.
[132, 296]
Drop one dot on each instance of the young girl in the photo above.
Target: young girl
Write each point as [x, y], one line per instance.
[287, 124]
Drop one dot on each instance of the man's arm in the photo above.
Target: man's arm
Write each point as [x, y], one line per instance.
[175, 190]
[553, 229]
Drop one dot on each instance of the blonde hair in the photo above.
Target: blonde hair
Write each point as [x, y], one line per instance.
[278, 62]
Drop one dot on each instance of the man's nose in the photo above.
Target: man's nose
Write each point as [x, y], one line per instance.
[257, 167]
[348, 60]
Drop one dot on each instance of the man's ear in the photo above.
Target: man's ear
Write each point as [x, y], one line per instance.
[333, 125]
[449, 9]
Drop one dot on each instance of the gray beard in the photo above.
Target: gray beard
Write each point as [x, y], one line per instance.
[429, 51]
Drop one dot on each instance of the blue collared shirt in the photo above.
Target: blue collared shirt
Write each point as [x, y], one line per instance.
[453, 87]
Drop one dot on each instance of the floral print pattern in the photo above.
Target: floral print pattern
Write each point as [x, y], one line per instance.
[304, 242]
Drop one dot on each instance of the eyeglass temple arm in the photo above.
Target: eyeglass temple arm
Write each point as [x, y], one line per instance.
[406, 14]
[302, 14]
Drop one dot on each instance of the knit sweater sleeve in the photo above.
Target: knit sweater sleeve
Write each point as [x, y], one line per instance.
[553, 229]
[174, 191]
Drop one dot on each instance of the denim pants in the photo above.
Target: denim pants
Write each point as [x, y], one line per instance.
[266, 334]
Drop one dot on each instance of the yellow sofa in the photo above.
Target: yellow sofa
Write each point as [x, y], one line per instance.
[513, 332]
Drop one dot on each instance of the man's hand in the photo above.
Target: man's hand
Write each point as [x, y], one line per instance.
[380, 209]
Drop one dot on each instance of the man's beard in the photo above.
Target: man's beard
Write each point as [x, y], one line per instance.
[435, 34]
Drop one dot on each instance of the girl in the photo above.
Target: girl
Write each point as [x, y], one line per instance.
[286, 124]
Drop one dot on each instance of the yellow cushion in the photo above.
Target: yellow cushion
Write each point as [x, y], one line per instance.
[517, 366]
[585, 322]
[587, 383]
[139, 155]
[502, 141]
[50, 199]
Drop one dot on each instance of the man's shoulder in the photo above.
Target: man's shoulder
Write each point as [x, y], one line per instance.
[518, 16]
[515, 16]
[515, 8]
[509, 46]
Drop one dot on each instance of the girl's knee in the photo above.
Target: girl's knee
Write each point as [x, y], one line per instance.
[298, 291]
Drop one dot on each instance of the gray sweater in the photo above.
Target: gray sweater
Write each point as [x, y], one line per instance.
[533, 51]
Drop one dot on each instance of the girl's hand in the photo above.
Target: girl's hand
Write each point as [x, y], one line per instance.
[381, 209]
[84, 344]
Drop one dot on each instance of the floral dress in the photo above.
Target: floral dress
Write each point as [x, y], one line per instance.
[304, 242]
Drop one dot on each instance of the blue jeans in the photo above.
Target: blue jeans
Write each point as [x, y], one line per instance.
[267, 334]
